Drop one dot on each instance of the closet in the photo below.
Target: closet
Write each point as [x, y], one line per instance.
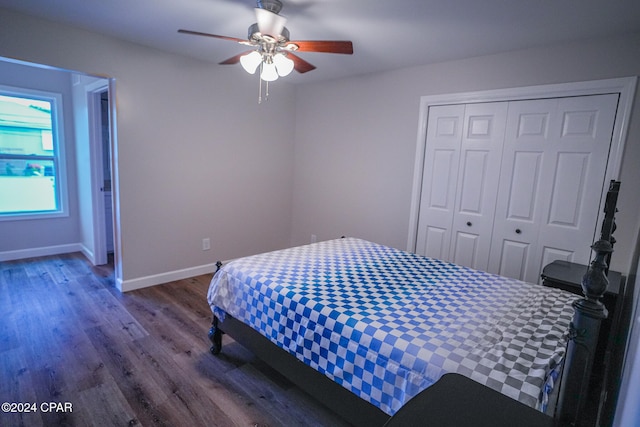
[508, 187]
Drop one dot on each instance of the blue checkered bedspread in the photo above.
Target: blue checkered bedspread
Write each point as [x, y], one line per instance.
[386, 324]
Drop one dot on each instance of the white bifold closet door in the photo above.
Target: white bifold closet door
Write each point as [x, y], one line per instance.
[510, 186]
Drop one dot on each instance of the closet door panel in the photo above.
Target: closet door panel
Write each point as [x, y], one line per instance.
[478, 175]
[552, 254]
[515, 256]
[559, 150]
[435, 242]
[578, 161]
[465, 249]
[508, 187]
[568, 186]
[516, 230]
[524, 190]
[440, 174]
[515, 251]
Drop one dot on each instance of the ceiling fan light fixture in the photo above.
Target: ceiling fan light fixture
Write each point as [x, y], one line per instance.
[269, 72]
[251, 61]
[273, 50]
[284, 65]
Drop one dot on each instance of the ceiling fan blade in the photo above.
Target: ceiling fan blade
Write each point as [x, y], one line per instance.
[235, 59]
[327, 46]
[270, 23]
[299, 64]
[198, 33]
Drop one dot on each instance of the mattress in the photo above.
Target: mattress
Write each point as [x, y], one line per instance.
[386, 324]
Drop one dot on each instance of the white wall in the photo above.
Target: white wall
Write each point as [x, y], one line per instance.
[63, 232]
[197, 156]
[356, 138]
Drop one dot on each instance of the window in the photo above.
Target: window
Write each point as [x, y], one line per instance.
[32, 182]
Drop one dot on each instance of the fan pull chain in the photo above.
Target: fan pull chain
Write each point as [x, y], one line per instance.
[260, 86]
[266, 92]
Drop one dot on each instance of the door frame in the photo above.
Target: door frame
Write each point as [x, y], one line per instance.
[94, 92]
[625, 87]
[94, 106]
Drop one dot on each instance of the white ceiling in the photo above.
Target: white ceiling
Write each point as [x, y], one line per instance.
[386, 34]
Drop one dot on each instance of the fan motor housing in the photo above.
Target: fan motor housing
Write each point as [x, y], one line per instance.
[274, 6]
[256, 35]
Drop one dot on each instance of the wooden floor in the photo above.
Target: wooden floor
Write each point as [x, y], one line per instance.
[76, 352]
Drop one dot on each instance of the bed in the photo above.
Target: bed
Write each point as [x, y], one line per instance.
[371, 327]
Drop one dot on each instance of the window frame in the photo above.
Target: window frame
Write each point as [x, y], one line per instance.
[59, 154]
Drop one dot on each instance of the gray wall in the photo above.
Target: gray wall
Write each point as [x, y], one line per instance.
[61, 231]
[197, 156]
[356, 138]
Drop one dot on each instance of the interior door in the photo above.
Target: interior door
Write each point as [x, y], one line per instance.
[569, 222]
[478, 175]
[551, 181]
[440, 175]
[461, 172]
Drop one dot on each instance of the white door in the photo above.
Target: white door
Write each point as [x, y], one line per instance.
[478, 174]
[552, 179]
[444, 137]
[462, 165]
[509, 187]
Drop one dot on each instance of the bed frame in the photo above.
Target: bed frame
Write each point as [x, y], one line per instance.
[474, 404]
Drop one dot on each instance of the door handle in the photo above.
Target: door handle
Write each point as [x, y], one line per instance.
[469, 224]
[518, 231]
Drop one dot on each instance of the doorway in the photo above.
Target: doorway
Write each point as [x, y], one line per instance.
[106, 170]
[101, 191]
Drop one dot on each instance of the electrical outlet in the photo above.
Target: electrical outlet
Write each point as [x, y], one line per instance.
[314, 238]
[206, 244]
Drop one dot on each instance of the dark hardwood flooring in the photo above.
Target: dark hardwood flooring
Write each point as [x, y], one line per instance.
[68, 336]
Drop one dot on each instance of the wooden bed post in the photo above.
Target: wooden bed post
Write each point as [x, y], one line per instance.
[215, 334]
[583, 338]
[609, 221]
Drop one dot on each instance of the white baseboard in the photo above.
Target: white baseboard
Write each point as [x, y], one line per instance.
[122, 285]
[158, 279]
[88, 254]
[43, 251]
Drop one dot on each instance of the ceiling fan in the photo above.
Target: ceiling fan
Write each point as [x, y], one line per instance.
[273, 51]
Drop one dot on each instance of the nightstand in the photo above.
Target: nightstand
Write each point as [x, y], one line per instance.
[568, 276]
